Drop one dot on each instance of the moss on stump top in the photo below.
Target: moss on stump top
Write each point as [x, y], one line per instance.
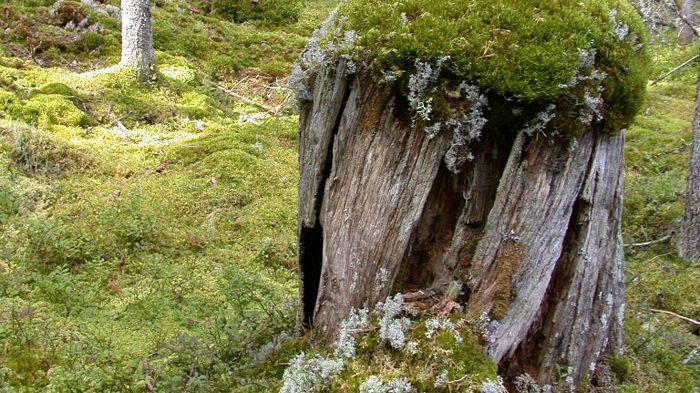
[586, 58]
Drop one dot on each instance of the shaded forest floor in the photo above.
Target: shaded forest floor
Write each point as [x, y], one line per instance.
[147, 232]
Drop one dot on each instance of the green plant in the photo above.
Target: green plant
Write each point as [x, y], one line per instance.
[6, 98]
[45, 110]
[575, 62]
[37, 152]
[8, 195]
[621, 368]
[130, 225]
[53, 242]
[274, 12]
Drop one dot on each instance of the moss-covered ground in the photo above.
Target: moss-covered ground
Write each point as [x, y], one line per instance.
[657, 156]
[147, 232]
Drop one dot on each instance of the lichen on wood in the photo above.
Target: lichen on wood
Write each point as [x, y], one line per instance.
[420, 168]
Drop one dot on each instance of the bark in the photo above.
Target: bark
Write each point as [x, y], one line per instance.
[532, 225]
[685, 32]
[582, 315]
[690, 231]
[137, 38]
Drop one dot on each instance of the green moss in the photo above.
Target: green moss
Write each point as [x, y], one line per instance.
[197, 105]
[6, 98]
[100, 288]
[269, 11]
[464, 361]
[57, 88]
[8, 76]
[621, 368]
[11, 62]
[656, 157]
[47, 109]
[519, 50]
[91, 42]
[507, 263]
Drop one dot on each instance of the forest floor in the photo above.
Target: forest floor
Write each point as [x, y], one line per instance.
[148, 232]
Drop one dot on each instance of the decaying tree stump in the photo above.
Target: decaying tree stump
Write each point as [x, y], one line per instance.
[491, 160]
[531, 224]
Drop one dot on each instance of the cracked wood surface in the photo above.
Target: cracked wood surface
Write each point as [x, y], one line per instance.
[532, 225]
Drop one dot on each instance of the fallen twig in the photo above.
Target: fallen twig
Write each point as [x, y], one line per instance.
[673, 314]
[649, 243]
[282, 104]
[692, 355]
[673, 71]
[676, 150]
[242, 98]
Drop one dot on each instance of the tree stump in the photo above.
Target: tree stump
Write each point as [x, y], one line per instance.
[531, 224]
[521, 202]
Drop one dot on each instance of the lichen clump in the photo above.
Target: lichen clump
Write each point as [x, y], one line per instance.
[561, 65]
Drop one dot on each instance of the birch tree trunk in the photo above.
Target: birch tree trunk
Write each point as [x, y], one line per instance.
[531, 224]
[137, 38]
[685, 32]
[690, 231]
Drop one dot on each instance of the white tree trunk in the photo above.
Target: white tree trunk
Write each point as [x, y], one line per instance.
[137, 38]
[685, 32]
[690, 232]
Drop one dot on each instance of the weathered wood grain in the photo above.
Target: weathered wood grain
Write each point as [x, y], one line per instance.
[318, 126]
[524, 235]
[583, 315]
[532, 224]
[381, 175]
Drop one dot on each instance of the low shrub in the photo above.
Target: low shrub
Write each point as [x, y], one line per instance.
[8, 197]
[129, 223]
[6, 99]
[38, 153]
[54, 242]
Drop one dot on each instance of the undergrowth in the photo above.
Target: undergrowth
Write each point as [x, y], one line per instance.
[659, 346]
[140, 247]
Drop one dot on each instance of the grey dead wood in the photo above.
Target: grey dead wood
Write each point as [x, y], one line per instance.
[690, 228]
[531, 225]
[685, 29]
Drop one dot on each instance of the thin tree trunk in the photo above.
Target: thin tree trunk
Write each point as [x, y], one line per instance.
[137, 38]
[685, 32]
[690, 231]
[532, 225]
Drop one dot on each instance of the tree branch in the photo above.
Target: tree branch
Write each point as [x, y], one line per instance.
[673, 314]
[649, 243]
[243, 98]
[673, 71]
[680, 16]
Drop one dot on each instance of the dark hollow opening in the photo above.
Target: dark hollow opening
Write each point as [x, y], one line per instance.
[310, 262]
[311, 239]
